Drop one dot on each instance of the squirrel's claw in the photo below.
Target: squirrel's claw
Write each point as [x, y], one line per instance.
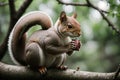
[62, 67]
[43, 70]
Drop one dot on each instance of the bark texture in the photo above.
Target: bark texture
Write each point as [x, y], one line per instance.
[14, 72]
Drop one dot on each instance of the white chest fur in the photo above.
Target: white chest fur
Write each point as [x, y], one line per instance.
[67, 40]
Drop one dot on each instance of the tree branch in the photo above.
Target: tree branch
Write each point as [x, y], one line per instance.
[89, 4]
[3, 46]
[23, 7]
[24, 73]
[14, 16]
[12, 9]
[117, 73]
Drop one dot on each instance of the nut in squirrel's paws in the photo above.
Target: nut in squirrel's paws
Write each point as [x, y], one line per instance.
[75, 44]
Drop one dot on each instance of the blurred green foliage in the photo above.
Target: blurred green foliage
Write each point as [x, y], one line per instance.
[100, 49]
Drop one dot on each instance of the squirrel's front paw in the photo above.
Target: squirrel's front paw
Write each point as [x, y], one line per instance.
[75, 44]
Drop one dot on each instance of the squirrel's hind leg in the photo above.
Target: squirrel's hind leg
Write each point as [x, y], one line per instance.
[35, 57]
[59, 62]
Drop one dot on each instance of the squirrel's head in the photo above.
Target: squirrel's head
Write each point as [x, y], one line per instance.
[68, 25]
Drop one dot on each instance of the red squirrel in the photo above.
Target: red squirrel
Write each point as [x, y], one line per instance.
[47, 47]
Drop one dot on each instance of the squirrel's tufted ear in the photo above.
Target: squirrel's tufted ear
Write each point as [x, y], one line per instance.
[74, 15]
[63, 16]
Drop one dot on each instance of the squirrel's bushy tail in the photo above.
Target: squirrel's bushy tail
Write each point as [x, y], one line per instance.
[17, 38]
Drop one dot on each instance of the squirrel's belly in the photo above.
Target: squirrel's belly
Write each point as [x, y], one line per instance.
[49, 59]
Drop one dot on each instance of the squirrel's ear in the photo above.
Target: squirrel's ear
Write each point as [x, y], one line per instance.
[63, 16]
[74, 15]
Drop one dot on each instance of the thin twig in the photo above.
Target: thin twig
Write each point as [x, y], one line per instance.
[89, 4]
[110, 24]
[75, 3]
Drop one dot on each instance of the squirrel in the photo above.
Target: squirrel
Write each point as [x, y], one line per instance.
[47, 47]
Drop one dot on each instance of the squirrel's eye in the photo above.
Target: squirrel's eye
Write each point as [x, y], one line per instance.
[69, 26]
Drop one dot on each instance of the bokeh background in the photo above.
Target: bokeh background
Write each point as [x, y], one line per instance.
[100, 51]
